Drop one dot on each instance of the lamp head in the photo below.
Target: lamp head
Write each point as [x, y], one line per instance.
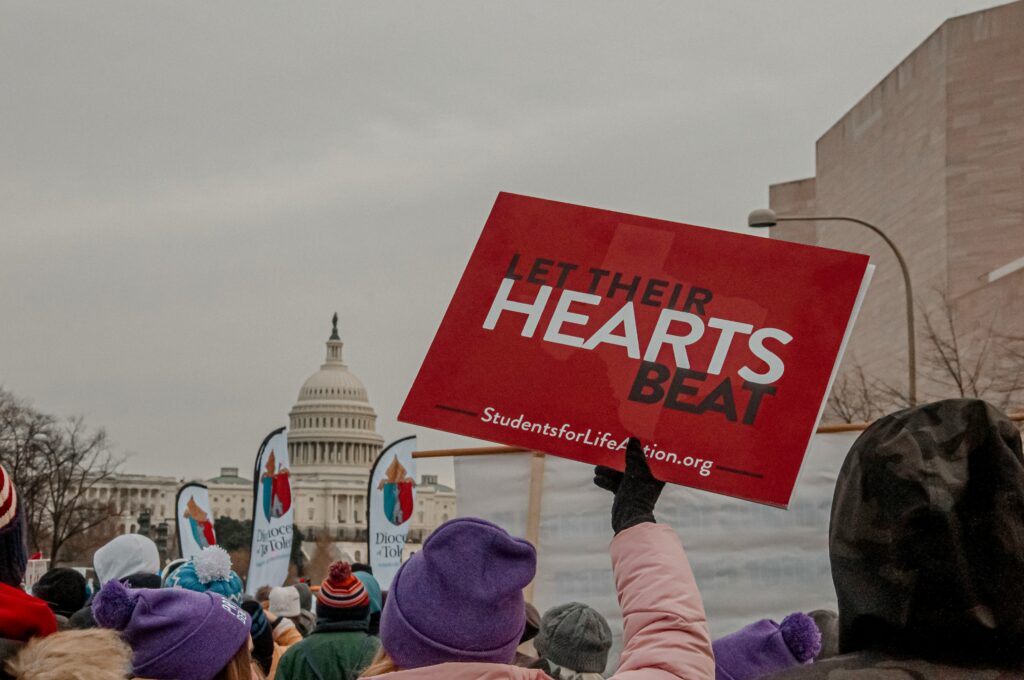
[762, 217]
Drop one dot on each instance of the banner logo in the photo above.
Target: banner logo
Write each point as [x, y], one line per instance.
[277, 490]
[397, 493]
[193, 519]
[200, 524]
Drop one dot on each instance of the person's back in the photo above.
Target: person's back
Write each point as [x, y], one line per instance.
[329, 653]
[927, 545]
[339, 648]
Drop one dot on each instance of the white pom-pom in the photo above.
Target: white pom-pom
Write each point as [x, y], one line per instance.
[212, 564]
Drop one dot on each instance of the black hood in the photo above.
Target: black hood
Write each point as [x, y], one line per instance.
[927, 535]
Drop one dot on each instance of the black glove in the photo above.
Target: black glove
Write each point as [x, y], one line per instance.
[636, 490]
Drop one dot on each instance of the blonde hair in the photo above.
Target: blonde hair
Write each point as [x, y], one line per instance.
[381, 664]
[241, 667]
[95, 654]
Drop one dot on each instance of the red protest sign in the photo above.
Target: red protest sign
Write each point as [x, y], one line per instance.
[573, 328]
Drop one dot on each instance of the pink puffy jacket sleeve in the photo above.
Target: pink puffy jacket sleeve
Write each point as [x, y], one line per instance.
[665, 632]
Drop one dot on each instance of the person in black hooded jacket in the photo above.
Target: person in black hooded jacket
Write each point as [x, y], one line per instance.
[927, 549]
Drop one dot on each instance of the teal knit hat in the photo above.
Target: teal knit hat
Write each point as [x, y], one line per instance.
[209, 571]
[372, 589]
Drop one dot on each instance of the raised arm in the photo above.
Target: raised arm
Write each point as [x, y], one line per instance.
[665, 630]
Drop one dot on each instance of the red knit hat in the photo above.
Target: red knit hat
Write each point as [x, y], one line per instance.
[22, 616]
[342, 595]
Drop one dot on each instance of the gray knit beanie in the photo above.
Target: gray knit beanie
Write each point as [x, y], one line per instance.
[575, 637]
[305, 596]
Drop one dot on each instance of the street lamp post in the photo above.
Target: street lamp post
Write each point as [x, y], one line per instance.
[767, 218]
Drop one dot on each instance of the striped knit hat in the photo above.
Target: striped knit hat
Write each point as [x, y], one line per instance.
[342, 596]
[13, 556]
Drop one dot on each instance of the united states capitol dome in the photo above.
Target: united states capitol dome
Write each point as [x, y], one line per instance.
[333, 381]
[332, 425]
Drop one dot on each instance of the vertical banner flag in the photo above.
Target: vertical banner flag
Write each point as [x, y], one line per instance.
[392, 498]
[194, 519]
[574, 328]
[272, 515]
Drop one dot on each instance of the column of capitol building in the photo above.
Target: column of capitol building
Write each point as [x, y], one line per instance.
[332, 443]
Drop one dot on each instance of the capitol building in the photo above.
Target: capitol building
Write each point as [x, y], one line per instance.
[332, 444]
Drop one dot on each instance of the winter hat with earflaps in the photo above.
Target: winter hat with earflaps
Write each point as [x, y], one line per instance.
[210, 570]
[174, 633]
[474, 573]
[575, 637]
[13, 556]
[765, 647]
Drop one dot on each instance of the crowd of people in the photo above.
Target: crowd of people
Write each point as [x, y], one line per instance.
[926, 544]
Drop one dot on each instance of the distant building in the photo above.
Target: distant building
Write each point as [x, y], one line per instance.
[933, 155]
[131, 495]
[230, 495]
[332, 443]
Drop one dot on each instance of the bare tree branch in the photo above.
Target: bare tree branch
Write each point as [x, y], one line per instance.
[55, 465]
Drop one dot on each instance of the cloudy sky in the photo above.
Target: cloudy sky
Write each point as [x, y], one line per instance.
[189, 190]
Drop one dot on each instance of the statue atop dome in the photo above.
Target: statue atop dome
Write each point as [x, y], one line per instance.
[334, 328]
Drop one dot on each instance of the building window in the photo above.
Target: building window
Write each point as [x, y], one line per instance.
[421, 517]
[444, 517]
[309, 513]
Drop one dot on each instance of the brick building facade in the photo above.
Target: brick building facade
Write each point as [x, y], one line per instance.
[933, 155]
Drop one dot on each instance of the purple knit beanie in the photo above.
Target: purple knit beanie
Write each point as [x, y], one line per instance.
[766, 647]
[175, 634]
[460, 598]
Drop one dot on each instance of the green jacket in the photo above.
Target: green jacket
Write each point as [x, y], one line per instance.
[333, 651]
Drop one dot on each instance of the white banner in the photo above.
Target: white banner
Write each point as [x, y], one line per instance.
[194, 519]
[751, 561]
[272, 515]
[392, 499]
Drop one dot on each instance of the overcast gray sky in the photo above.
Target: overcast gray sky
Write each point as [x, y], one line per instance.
[189, 190]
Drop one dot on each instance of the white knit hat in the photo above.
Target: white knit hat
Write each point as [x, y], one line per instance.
[284, 601]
